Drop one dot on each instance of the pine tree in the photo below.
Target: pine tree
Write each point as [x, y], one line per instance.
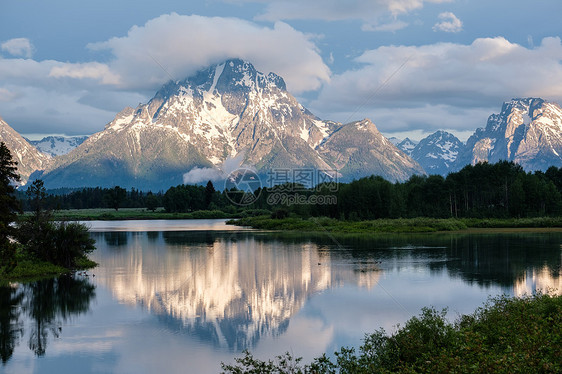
[209, 193]
[9, 206]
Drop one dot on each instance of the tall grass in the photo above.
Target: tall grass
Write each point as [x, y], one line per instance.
[399, 225]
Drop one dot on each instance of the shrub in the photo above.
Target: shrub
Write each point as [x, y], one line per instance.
[60, 243]
[507, 335]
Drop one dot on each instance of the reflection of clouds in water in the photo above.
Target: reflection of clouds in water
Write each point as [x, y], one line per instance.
[539, 280]
[163, 225]
[231, 292]
[198, 284]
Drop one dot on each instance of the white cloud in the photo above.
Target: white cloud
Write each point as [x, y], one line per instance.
[488, 70]
[18, 47]
[176, 46]
[57, 97]
[90, 70]
[438, 83]
[51, 96]
[199, 175]
[449, 23]
[333, 10]
[390, 27]
[7, 95]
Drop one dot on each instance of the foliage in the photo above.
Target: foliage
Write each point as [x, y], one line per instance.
[114, 197]
[29, 268]
[501, 190]
[209, 194]
[90, 198]
[151, 202]
[72, 242]
[248, 364]
[323, 224]
[9, 206]
[59, 243]
[506, 335]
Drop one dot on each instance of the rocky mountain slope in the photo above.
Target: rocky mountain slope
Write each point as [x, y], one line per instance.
[229, 110]
[527, 131]
[29, 159]
[358, 149]
[437, 152]
[57, 145]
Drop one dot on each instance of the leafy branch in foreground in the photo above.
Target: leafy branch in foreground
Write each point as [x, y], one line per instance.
[506, 335]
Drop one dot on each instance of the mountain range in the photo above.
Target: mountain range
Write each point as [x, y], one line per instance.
[229, 111]
[232, 115]
[527, 131]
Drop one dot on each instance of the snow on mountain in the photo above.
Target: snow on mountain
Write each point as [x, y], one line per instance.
[437, 152]
[527, 131]
[394, 140]
[29, 159]
[225, 111]
[358, 149]
[407, 146]
[57, 145]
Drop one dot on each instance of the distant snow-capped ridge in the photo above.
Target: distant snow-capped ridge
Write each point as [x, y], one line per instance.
[29, 159]
[57, 145]
[407, 146]
[438, 152]
[527, 131]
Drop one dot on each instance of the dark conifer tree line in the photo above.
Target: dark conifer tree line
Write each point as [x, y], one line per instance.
[483, 190]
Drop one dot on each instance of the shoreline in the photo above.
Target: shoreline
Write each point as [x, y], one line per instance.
[30, 269]
[402, 226]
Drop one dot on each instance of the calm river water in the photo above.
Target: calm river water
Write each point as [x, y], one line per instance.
[182, 296]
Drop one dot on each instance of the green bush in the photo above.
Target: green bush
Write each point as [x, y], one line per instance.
[506, 335]
[60, 243]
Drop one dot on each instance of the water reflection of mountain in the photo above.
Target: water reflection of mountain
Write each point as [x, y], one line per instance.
[39, 309]
[227, 289]
[230, 289]
[501, 259]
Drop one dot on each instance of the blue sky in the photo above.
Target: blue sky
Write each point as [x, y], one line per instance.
[412, 66]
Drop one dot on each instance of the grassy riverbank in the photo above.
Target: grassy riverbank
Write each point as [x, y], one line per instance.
[133, 214]
[29, 269]
[401, 225]
[506, 335]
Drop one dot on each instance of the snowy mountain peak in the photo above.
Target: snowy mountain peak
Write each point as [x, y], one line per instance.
[394, 140]
[437, 152]
[228, 110]
[29, 159]
[407, 146]
[527, 131]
